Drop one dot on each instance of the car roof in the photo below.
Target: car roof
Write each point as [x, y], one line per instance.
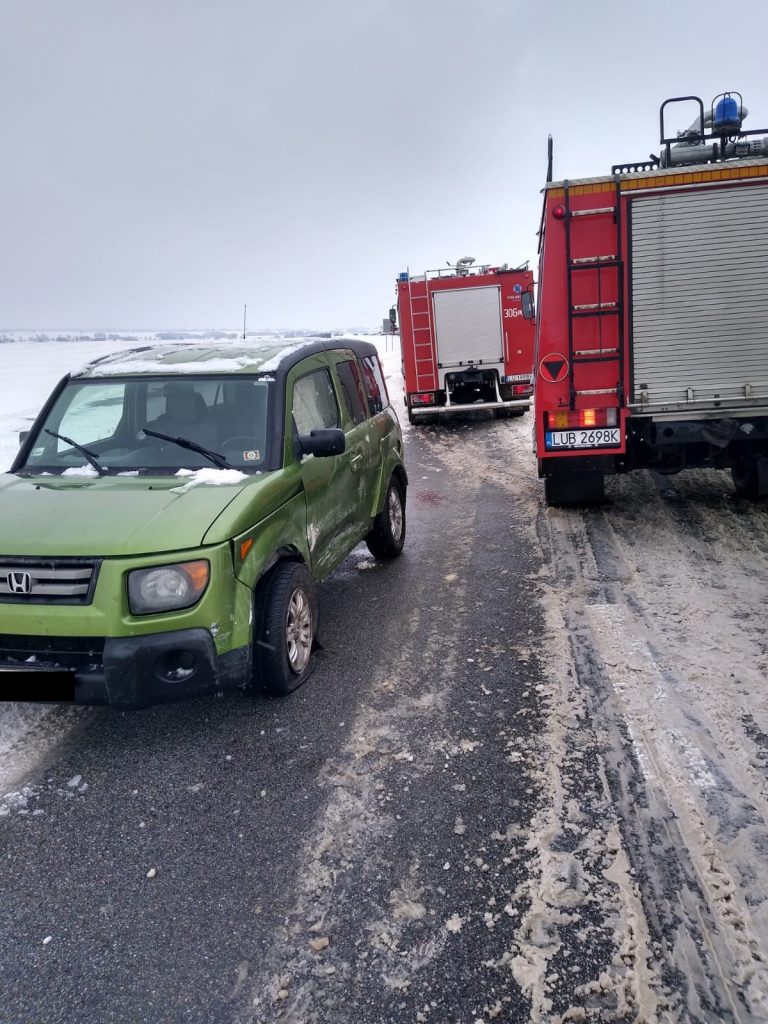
[246, 357]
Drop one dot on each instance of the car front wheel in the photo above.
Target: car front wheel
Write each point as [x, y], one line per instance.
[387, 535]
[284, 629]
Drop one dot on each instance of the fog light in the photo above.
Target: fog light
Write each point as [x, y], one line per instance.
[176, 666]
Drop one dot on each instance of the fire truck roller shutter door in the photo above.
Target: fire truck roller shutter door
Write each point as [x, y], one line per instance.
[700, 295]
[468, 325]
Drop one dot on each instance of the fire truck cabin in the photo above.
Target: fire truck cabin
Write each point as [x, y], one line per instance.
[652, 331]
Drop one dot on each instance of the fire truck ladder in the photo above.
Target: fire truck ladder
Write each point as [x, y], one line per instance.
[596, 311]
[421, 326]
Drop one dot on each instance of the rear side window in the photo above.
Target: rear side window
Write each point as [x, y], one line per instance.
[352, 390]
[374, 383]
[314, 403]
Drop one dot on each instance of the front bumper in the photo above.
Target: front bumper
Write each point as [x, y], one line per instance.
[122, 672]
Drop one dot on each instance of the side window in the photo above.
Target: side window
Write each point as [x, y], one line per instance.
[352, 389]
[374, 384]
[314, 403]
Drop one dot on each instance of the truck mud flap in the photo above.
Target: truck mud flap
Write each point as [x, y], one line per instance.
[574, 489]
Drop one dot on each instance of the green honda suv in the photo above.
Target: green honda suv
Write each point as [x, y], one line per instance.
[168, 516]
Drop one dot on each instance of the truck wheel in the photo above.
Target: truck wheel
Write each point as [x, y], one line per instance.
[746, 478]
[387, 535]
[574, 489]
[285, 623]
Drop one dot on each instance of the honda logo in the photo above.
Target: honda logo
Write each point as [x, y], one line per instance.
[19, 582]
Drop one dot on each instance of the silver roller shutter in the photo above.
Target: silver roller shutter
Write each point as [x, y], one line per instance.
[700, 297]
[468, 325]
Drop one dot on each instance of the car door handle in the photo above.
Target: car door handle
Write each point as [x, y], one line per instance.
[355, 461]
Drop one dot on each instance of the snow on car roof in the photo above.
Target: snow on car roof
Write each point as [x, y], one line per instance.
[224, 358]
[185, 359]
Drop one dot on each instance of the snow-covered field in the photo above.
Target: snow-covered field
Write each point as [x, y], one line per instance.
[30, 369]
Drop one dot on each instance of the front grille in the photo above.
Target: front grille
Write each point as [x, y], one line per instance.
[62, 651]
[47, 581]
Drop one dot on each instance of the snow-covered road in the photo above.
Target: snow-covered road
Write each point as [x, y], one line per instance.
[662, 596]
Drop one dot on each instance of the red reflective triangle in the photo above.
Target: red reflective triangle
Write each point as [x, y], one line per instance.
[553, 367]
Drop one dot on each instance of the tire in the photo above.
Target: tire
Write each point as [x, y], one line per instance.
[387, 535]
[746, 479]
[507, 414]
[575, 489]
[285, 624]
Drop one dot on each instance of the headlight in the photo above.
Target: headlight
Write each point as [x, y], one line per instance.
[167, 587]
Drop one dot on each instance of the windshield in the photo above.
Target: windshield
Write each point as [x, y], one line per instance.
[97, 425]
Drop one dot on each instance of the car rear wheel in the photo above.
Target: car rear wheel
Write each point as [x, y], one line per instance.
[284, 629]
[387, 535]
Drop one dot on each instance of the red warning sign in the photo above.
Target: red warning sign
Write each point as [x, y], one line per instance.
[553, 367]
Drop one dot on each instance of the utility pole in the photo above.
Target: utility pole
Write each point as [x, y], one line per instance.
[245, 312]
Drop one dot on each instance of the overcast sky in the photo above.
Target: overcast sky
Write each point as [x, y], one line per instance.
[166, 161]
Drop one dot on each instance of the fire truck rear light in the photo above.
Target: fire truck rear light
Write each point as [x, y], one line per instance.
[558, 212]
[557, 420]
[564, 420]
[425, 398]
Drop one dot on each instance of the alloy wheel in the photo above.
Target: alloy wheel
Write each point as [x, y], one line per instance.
[298, 631]
[395, 508]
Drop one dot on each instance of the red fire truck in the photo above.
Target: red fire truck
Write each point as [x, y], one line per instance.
[467, 337]
[652, 336]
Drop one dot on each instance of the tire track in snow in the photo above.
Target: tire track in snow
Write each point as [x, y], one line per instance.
[711, 819]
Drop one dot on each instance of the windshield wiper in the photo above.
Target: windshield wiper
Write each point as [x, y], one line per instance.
[89, 455]
[183, 442]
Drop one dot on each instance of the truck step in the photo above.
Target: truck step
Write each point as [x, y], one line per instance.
[589, 262]
[599, 391]
[595, 305]
[593, 212]
[596, 309]
[596, 355]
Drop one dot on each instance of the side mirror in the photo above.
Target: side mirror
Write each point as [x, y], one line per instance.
[322, 443]
[526, 302]
[23, 435]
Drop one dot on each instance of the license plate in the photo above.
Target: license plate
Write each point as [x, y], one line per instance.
[595, 437]
[37, 685]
